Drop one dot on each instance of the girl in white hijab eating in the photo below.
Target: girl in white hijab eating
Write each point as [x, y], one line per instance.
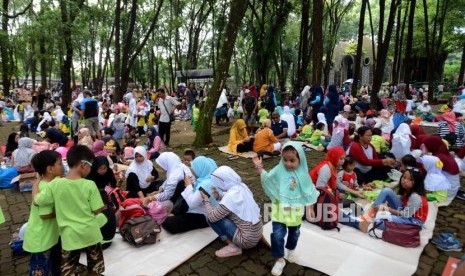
[237, 218]
[141, 175]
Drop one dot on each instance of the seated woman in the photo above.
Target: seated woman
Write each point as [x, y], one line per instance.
[402, 141]
[265, 141]
[176, 172]
[424, 111]
[98, 148]
[449, 126]
[140, 175]
[195, 218]
[84, 138]
[239, 141]
[340, 136]
[11, 144]
[21, 157]
[368, 167]
[237, 218]
[408, 206]
[101, 173]
[450, 169]
[436, 184]
[419, 134]
[289, 119]
[154, 143]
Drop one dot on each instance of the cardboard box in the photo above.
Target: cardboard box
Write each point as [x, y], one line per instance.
[25, 181]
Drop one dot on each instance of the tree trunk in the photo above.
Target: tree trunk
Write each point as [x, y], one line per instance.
[408, 50]
[4, 48]
[237, 12]
[358, 57]
[462, 67]
[382, 53]
[304, 54]
[118, 95]
[43, 63]
[317, 32]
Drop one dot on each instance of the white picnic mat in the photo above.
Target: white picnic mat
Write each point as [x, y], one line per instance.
[351, 252]
[429, 124]
[123, 259]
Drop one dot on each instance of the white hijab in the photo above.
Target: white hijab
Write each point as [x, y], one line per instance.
[29, 112]
[142, 170]
[175, 169]
[23, 154]
[289, 118]
[322, 119]
[223, 99]
[434, 180]
[305, 91]
[401, 142]
[237, 196]
[45, 118]
[59, 114]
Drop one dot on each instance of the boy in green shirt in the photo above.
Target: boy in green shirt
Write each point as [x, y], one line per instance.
[77, 205]
[41, 236]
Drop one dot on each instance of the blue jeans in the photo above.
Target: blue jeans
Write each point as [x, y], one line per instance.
[225, 228]
[349, 220]
[277, 238]
[391, 197]
[46, 263]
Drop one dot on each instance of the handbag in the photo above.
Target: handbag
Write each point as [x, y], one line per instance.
[405, 235]
[172, 118]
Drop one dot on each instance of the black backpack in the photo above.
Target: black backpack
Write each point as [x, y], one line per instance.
[326, 209]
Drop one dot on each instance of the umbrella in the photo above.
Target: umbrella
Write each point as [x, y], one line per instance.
[349, 81]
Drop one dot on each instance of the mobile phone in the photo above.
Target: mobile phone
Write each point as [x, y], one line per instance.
[203, 191]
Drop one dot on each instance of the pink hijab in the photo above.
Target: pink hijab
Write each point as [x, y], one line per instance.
[450, 119]
[98, 148]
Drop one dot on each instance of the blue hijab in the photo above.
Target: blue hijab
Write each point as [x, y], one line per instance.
[203, 167]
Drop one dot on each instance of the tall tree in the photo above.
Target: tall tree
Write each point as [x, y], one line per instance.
[317, 33]
[303, 58]
[236, 14]
[358, 56]
[462, 67]
[408, 51]
[384, 40]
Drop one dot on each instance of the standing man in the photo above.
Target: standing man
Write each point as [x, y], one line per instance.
[249, 104]
[166, 104]
[89, 110]
[191, 97]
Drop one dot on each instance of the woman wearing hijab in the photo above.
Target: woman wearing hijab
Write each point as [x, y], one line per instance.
[101, 173]
[239, 141]
[140, 175]
[289, 119]
[45, 118]
[98, 148]
[118, 125]
[340, 137]
[385, 124]
[84, 138]
[450, 169]
[21, 157]
[332, 106]
[195, 218]
[304, 95]
[237, 218]
[436, 184]
[176, 172]
[154, 143]
[448, 125]
[11, 144]
[402, 142]
[265, 140]
[322, 119]
[419, 134]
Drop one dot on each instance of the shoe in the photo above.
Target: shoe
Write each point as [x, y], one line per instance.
[443, 238]
[453, 245]
[228, 251]
[461, 195]
[278, 267]
[291, 256]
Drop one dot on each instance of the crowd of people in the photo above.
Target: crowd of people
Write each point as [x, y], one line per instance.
[88, 142]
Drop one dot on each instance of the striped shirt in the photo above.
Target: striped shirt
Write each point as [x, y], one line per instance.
[443, 130]
[247, 235]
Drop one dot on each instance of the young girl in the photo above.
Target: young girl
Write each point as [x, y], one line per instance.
[408, 206]
[347, 178]
[290, 189]
[41, 237]
[318, 135]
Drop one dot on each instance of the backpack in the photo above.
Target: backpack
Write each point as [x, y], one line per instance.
[116, 197]
[327, 209]
[141, 230]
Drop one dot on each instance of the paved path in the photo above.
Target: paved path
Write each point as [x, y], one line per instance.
[256, 261]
